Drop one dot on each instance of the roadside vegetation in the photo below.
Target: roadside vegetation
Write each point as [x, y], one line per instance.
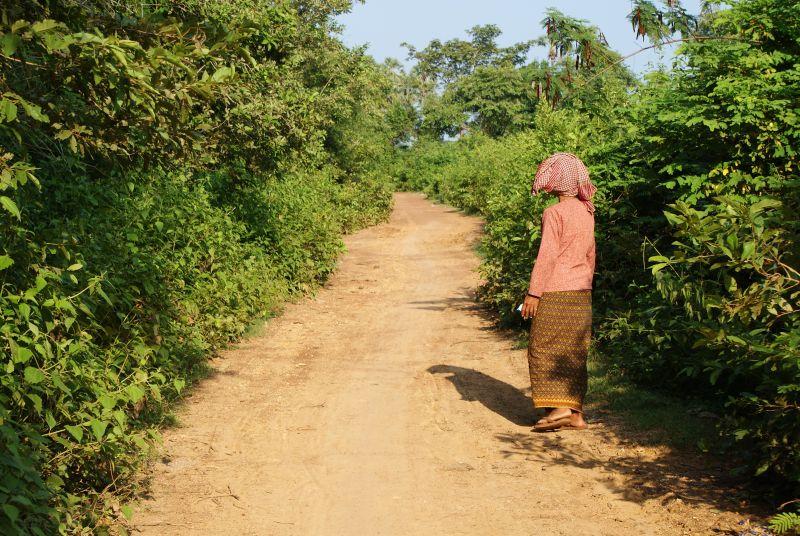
[170, 173]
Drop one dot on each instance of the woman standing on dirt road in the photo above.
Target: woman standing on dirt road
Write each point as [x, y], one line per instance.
[560, 294]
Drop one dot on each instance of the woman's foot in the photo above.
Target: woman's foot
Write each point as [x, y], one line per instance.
[577, 420]
[555, 414]
[559, 418]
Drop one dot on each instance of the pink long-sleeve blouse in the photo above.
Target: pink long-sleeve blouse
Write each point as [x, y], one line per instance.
[566, 255]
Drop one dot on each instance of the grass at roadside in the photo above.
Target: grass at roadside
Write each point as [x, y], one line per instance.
[653, 417]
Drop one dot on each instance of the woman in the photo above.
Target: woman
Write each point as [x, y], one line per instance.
[560, 294]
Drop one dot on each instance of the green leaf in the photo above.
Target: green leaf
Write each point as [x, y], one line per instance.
[127, 511]
[785, 523]
[74, 267]
[737, 340]
[10, 206]
[20, 354]
[75, 431]
[715, 376]
[121, 57]
[658, 267]
[37, 401]
[55, 482]
[140, 442]
[8, 111]
[35, 112]
[34, 375]
[730, 283]
[120, 417]
[44, 26]
[98, 428]
[100, 292]
[135, 393]
[747, 249]
[9, 43]
[764, 204]
[763, 468]
[11, 511]
[108, 402]
[5, 262]
[179, 385]
[222, 74]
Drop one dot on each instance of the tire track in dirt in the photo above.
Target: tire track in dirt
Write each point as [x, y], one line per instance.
[389, 405]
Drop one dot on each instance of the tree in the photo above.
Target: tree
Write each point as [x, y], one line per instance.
[444, 63]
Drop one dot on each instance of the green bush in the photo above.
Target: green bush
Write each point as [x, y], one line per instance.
[169, 175]
[735, 291]
[142, 282]
[716, 142]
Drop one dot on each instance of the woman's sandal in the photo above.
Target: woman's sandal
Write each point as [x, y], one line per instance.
[562, 423]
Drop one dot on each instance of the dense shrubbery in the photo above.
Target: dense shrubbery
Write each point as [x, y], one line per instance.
[169, 174]
[706, 298]
[718, 139]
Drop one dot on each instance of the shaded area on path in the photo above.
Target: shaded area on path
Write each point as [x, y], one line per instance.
[495, 395]
[673, 475]
[691, 478]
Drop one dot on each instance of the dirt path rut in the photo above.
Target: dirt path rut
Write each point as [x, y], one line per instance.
[389, 406]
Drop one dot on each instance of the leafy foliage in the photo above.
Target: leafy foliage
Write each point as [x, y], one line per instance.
[482, 85]
[444, 63]
[722, 315]
[785, 523]
[660, 24]
[170, 173]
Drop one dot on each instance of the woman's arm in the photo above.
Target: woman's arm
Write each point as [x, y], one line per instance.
[545, 263]
[547, 256]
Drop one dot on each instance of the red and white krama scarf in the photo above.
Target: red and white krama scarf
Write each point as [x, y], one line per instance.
[565, 174]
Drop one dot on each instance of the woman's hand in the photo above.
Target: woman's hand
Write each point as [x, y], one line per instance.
[529, 307]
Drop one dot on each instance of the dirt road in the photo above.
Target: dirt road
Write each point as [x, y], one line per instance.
[389, 405]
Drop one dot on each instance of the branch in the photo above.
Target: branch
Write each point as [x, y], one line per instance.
[787, 503]
[20, 61]
[662, 43]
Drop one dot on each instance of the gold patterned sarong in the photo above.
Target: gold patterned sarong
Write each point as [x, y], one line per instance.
[559, 345]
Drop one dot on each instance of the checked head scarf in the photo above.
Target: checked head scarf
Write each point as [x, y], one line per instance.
[565, 174]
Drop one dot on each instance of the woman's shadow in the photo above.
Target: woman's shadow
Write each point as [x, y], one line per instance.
[498, 396]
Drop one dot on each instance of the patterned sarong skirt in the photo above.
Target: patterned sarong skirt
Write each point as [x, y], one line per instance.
[558, 347]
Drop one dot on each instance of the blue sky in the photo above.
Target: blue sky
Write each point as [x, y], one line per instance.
[384, 24]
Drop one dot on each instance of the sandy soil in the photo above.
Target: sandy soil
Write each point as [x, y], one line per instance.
[389, 405]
